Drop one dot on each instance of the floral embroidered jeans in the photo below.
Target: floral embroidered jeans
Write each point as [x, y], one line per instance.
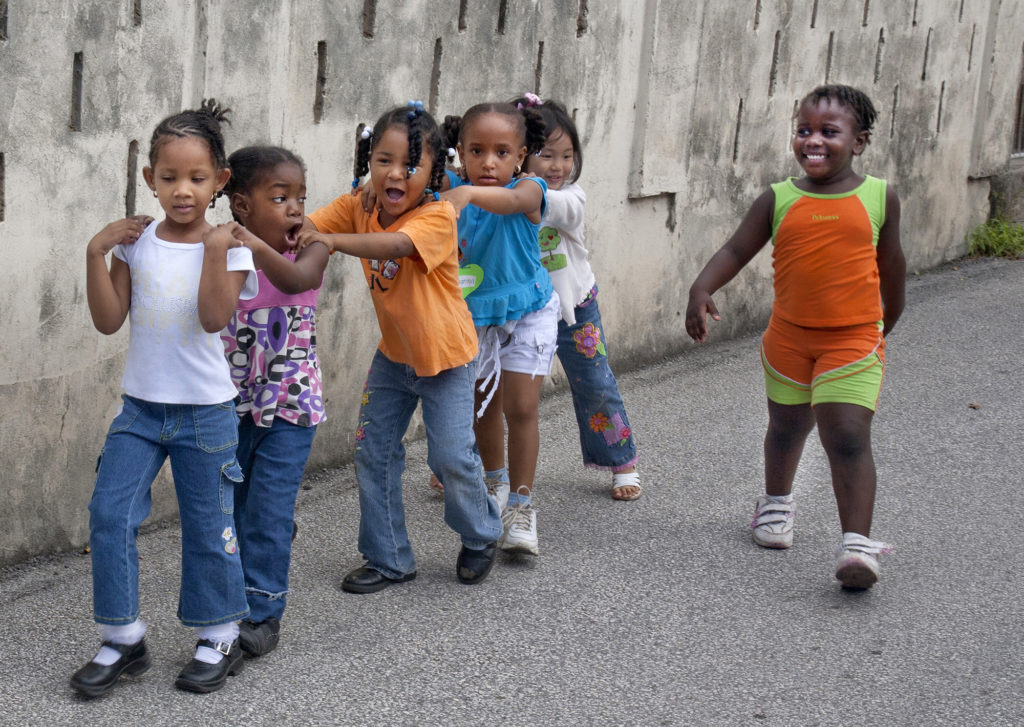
[606, 439]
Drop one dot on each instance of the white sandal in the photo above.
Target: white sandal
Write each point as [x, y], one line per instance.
[626, 479]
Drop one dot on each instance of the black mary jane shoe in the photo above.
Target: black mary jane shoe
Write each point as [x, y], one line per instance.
[257, 639]
[94, 679]
[473, 565]
[370, 580]
[198, 676]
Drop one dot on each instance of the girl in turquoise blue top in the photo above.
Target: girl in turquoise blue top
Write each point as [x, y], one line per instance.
[510, 295]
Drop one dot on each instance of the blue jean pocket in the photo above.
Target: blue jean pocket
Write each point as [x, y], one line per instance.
[230, 475]
[216, 426]
[126, 416]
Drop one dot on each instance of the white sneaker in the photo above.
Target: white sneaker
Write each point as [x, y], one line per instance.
[856, 561]
[498, 489]
[772, 526]
[520, 535]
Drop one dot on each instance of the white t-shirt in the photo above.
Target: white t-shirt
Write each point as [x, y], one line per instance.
[561, 247]
[171, 359]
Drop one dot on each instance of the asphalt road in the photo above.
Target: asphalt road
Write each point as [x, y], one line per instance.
[656, 612]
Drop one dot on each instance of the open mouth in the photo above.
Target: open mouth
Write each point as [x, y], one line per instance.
[291, 237]
[393, 194]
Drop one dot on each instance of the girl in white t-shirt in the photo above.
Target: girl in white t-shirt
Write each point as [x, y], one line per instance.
[179, 280]
[605, 435]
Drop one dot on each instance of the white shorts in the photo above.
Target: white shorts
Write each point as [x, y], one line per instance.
[526, 346]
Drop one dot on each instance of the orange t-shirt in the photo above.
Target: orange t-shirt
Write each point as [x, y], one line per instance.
[424, 322]
[825, 255]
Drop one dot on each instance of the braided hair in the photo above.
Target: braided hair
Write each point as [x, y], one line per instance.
[249, 165]
[556, 119]
[423, 135]
[203, 123]
[854, 99]
[528, 121]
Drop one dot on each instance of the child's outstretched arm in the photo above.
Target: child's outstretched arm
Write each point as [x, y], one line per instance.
[892, 266]
[565, 208]
[305, 273]
[524, 198]
[748, 239]
[371, 245]
[109, 292]
[219, 287]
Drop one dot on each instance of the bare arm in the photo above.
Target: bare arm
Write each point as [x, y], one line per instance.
[109, 292]
[371, 245]
[291, 277]
[748, 239]
[892, 266]
[218, 287]
[524, 198]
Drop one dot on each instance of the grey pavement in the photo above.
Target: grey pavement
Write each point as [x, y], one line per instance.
[656, 612]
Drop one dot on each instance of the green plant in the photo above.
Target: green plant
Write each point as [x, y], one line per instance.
[997, 238]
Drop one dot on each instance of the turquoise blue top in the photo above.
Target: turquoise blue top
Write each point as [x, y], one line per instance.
[513, 281]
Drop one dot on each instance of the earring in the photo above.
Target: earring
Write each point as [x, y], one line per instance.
[519, 168]
[155, 195]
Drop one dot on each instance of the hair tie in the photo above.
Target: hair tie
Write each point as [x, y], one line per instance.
[367, 132]
[532, 100]
[410, 171]
[416, 109]
[451, 152]
[355, 183]
[437, 197]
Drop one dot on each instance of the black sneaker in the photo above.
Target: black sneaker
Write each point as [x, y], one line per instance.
[257, 639]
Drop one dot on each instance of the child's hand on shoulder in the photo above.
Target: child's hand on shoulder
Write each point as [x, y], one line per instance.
[246, 237]
[369, 198]
[459, 197]
[307, 237]
[119, 232]
[222, 237]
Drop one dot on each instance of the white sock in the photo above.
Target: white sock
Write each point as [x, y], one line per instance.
[129, 634]
[780, 499]
[221, 632]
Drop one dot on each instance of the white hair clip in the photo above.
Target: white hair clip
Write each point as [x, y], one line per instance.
[367, 132]
[451, 152]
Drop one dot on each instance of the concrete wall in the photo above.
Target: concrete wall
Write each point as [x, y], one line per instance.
[684, 109]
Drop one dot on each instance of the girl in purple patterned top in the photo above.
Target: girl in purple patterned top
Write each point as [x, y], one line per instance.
[270, 345]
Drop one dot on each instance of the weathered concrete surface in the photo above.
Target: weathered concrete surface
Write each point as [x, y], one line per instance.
[656, 612]
[684, 111]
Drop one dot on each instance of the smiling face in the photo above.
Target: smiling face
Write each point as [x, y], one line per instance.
[273, 208]
[397, 190]
[554, 162]
[825, 140]
[491, 149]
[185, 179]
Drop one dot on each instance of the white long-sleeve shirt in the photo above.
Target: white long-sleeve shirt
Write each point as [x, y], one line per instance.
[562, 251]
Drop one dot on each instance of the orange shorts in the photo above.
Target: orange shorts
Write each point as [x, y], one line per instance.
[820, 365]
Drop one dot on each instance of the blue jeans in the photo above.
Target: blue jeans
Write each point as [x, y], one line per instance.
[389, 400]
[605, 436]
[200, 440]
[272, 460]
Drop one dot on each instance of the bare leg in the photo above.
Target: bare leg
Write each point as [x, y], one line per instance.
[521, 399]
[845, 431]
[788, 427]
[490, 430]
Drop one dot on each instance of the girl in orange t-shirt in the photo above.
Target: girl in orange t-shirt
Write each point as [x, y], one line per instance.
[426, 354]
[839, 290]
